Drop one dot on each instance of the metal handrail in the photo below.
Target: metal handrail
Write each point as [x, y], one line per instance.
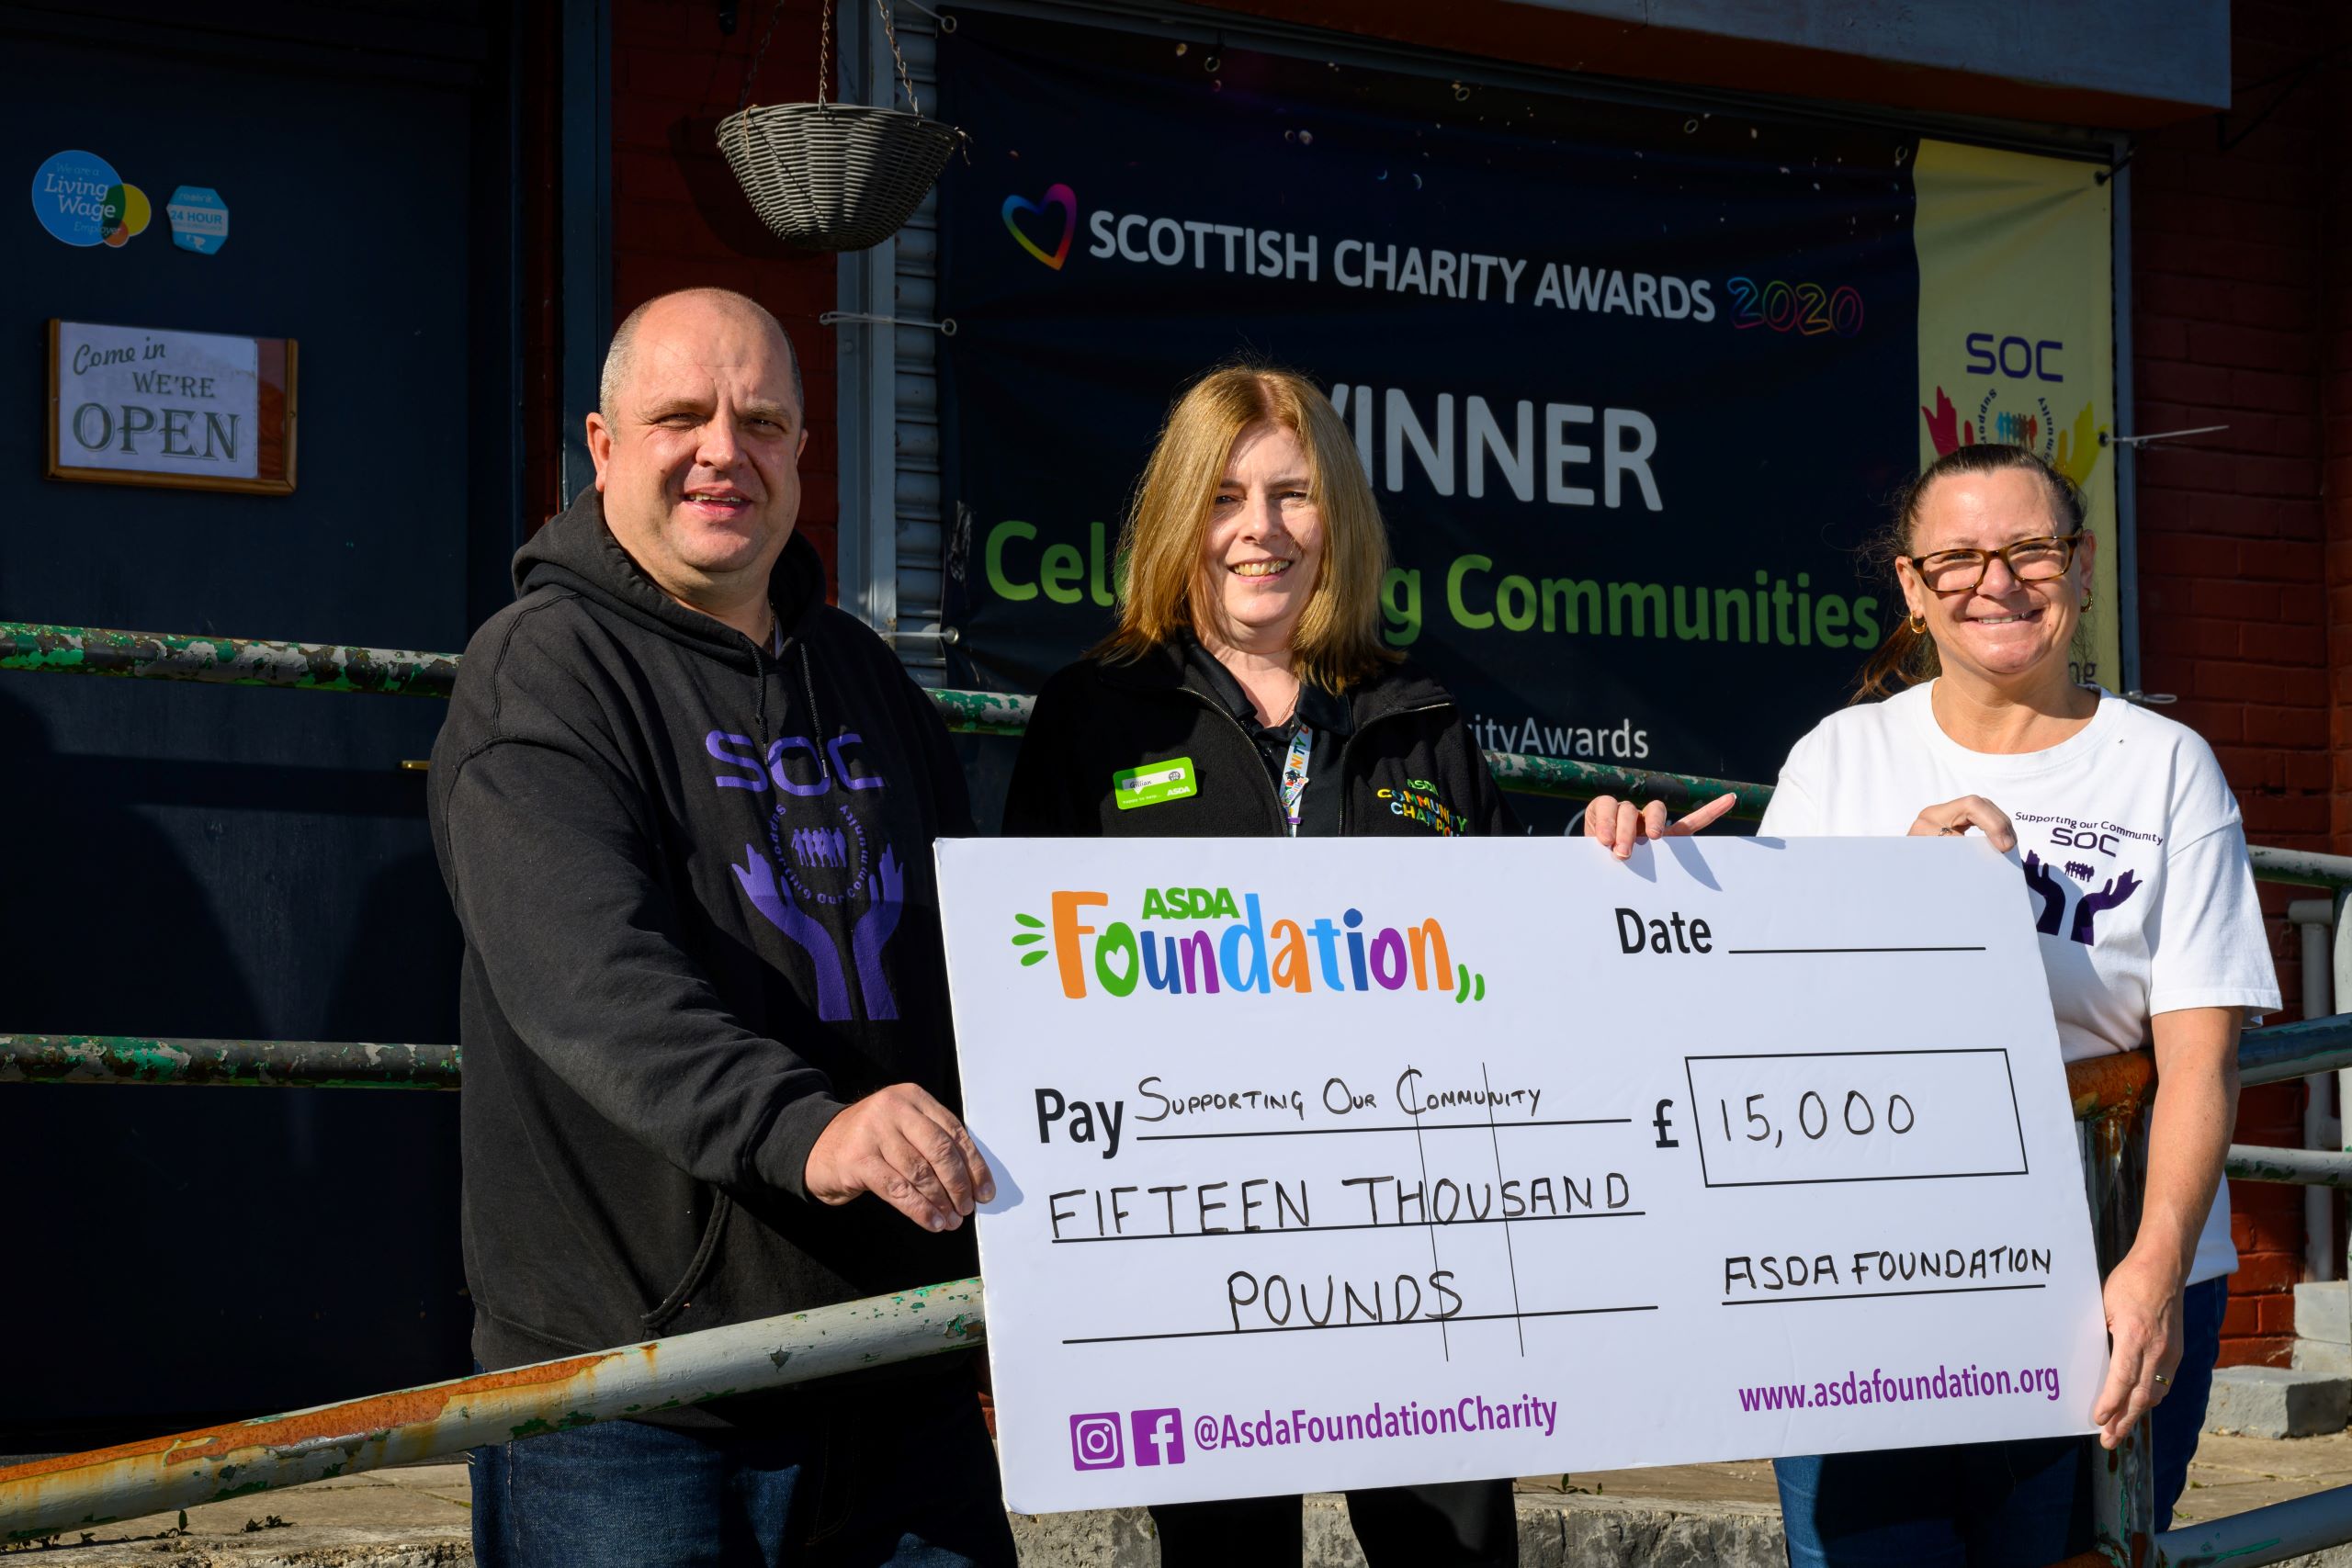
[226, 660]
[80, 1490]
[260, 1064]
[332, 667]
[338, 667]
[73, 1491]
[2267, 1055]
[2109, 1093]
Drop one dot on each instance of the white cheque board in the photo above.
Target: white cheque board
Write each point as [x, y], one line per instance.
[1334, 1164]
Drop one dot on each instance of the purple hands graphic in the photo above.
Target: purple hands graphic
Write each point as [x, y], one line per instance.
[771, 898]
[2052, 892]
[2044, 881]
[872, 933]
[2092, 905]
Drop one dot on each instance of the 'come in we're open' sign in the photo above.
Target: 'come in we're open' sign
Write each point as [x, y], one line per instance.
[151, 406]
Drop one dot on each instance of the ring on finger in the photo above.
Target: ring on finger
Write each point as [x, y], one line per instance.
[2164, 1380]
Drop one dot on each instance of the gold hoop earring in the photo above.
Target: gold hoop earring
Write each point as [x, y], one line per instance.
[2087, 601]
[1918, 625]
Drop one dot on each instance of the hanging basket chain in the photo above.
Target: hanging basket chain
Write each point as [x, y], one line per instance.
[824, 52]
[761, 55]
[891, 33]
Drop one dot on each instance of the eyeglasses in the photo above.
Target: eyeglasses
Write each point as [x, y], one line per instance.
[2030, 560]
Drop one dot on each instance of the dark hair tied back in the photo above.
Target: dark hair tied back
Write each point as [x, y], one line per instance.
[1908, 656]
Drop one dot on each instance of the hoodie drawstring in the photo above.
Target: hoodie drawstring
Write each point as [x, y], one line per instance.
[808, 685]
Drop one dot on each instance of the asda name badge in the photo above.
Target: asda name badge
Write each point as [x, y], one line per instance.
[1350, 1163]
[1154, 783]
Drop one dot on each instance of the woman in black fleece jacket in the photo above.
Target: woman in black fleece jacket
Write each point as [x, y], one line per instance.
[1245, 691]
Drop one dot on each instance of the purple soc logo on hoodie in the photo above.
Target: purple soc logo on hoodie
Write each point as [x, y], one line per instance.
[823, 857]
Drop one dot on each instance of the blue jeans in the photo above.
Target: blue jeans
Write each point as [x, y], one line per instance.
[902, 1474]
[2181, 1416]
[2017, 1504]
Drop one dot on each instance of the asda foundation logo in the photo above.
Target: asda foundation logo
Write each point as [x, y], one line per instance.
[1204, 941]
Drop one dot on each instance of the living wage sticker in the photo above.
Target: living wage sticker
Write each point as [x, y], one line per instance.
[80, 200]
[1359, 1163]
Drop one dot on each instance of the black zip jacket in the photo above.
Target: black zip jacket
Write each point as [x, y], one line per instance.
[700, 915]
[1406, 766]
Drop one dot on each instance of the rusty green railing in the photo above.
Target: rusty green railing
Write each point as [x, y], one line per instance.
[81, 1491]
[335, 667]
[2274, 1054]
[261, 1064]
[47, 1497]
[51, 1496]
[228, 661]
[331, 667]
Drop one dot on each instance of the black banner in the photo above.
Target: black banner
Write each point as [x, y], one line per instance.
[1632, 385]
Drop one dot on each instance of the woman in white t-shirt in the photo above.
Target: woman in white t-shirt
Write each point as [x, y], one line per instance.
[2135, 868]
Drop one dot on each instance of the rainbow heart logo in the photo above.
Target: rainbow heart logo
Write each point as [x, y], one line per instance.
[1055, 196]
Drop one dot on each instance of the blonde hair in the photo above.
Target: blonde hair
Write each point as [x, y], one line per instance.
[1337, 641]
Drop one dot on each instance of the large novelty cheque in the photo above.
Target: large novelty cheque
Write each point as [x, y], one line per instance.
[1349, 1164]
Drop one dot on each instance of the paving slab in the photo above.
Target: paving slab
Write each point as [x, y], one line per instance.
[414, 1516]
[2233, 1475]
[1670, 1516]
[1556, 1530]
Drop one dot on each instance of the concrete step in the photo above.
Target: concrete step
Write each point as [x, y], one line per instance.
[2323, 1312]
[2277, 1401]
[2319, 1356]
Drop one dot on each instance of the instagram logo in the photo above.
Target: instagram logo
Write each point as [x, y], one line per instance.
[1159, 1437]
[1094, 1441]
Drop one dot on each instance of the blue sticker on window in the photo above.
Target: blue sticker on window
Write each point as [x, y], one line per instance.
[78, 198]
[199, 219]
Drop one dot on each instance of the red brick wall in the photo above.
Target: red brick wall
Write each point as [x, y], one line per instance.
[2228, 251]
[680, 220]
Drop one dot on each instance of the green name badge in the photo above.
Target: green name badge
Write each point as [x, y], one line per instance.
[1154, 783]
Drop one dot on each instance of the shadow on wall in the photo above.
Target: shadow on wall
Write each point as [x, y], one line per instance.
[217, 1252]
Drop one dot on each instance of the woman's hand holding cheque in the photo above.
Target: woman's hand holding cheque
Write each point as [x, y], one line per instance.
[1619, 825]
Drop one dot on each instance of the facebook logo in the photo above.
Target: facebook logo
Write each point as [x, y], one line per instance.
[1159, 1437]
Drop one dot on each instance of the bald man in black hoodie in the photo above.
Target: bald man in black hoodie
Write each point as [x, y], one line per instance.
[684, 809]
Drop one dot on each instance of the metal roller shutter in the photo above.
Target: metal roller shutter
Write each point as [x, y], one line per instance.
[891, 567]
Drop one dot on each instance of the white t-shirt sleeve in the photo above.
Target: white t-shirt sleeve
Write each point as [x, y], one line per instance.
[1794, 810]
[2210, 948]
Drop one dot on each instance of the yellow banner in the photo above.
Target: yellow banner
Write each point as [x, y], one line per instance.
[2017, 332]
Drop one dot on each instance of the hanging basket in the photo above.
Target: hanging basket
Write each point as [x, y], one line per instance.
[835, 176]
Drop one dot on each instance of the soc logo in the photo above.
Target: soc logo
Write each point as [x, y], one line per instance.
[1098, 1439]
[2014, 357]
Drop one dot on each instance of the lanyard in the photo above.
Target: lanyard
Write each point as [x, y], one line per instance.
[1294, 773]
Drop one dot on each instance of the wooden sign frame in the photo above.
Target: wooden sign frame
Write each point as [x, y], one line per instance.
[275, 455]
